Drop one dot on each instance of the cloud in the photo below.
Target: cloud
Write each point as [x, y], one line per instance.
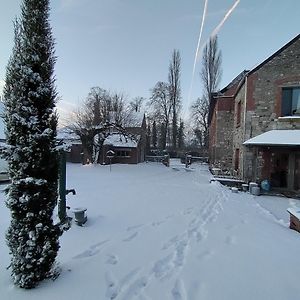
[65, 111]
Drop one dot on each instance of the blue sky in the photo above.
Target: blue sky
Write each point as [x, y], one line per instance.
[126, 45]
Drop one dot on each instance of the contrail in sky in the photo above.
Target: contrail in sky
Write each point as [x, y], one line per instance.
[214, 33]
[217, 29]
[197, 50]
[200, 35]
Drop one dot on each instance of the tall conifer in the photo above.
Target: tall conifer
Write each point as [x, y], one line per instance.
[31, 121]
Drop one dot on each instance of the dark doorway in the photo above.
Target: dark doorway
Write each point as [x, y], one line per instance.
[279, 172]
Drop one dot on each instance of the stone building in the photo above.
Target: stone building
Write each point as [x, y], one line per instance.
[266, 121]
[220, 119]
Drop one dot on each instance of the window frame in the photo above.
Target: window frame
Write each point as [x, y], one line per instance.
[287, 99]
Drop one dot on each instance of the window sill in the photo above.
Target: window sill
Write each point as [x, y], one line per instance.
[289, 119]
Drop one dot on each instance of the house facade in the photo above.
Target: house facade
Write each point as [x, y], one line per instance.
[128, 146]
[127, 149]
[266, 121]
[221, 117]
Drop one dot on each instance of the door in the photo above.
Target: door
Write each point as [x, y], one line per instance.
[279, 173]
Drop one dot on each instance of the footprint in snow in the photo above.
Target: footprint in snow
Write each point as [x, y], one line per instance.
[230, 240]
[115, 289]
[112, 259]
[188, 211]
[206, 255]
[244, 221]
[136, 289]
[178, 291]
[93, 250]
[131, 237]
[157, 223]
[112, 290]
[134, 227]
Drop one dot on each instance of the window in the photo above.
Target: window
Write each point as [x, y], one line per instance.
[123, 153]
[237, 159]
[238, 114]
[290, 104]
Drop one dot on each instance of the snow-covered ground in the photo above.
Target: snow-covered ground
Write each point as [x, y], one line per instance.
[167, 233]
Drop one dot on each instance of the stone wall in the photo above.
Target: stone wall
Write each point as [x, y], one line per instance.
[220, 137]
[264, 94]
[223, 149]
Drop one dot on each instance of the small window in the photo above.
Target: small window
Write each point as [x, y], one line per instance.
[290, 104]
[238, 114]
[237, 159]
[122, 153]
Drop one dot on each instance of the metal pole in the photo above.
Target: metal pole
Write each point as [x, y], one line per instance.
[62, 187]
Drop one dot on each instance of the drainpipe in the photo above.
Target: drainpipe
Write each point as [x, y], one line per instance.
[244, 133]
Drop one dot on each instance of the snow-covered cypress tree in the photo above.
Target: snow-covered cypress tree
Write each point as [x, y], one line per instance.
[31, 121]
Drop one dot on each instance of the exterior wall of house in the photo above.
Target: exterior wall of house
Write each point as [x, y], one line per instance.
[220, 138]
[224, 120]
[212, 139]
[132, 158]
[262, 96]
[75, 155]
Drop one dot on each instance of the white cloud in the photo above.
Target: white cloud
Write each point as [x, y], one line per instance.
[65, 111]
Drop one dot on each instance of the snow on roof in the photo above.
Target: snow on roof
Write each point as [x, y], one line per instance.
[118, 140]
[276, 138]
[135, 119]
[66, 133]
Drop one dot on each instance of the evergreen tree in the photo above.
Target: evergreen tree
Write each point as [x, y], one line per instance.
[181, 135]
[154, 135]
[148, 139]
[162, 137]
[31, 121]
[174, 93]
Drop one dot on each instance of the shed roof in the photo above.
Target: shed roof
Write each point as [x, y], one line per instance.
[289, 138]
[119, 140]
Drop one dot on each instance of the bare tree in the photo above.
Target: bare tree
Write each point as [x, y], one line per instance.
[211, 73]
[93, 121]
[174, 92]
[137, 103]
[199, 112]
[162, 107]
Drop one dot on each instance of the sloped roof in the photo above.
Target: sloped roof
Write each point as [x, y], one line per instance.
[66, 133]
[119, 140]
[276, 138]
[275, 54]
[238, 80]
[135, 119]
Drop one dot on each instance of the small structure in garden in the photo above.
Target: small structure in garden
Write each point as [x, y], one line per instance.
[294, 218]
[80, 215]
